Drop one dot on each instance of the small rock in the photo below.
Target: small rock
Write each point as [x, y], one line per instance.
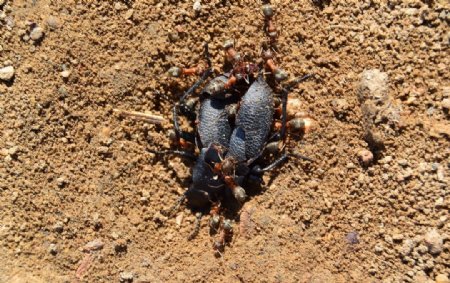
[442, 278]
[7, 73]
[446, 103]
[352, 238]
[115, 235]
[179, 219]
[340, 107]
[379, 248]
[119, 6]
[37, 34]
[53, 249]
[145, 262]
[126, 277]
[174, 36]
[61, 182]
[365, 157]
[120, 246]
[407, 247]
[97, 221]
[58, 227]
[129, 14]
[53, 22]
[328, 10]
[65, 74]
[13, 151]
[434, 242]
[197, 6]
[94, 245]
[397, 237]
[373, 86]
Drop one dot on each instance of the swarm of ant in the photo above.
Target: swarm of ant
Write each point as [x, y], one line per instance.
[237, 118]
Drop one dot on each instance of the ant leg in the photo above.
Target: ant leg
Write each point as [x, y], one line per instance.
[204, 76]
[199, 70]
[178, 152]
[175, 207]
[198, 217]
[182, 138]
[258, 171]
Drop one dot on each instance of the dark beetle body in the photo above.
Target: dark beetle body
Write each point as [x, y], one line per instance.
[253, 122]
[214, 131]
[213, 124]
[206, 186]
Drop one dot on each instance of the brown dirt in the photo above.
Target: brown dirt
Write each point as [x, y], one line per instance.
[71, 171]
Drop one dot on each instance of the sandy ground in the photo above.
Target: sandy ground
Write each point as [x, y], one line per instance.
[72, 171]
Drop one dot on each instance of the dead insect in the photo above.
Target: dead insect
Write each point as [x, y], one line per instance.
[235, 120]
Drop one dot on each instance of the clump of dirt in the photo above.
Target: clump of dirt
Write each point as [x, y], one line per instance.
[73, 174]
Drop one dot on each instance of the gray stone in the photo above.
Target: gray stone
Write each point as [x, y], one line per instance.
[94, 245]
[434, 242]
[373, 86]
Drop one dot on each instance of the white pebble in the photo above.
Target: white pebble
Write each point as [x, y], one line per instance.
[434, 242]
[36, 34]
[7, 73]
[197, 6]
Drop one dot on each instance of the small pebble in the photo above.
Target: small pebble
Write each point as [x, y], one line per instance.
[407, 247]
[365, 157]
[446, 103]
[434, 242]
[53, 249]
[53, 22]
[397, 237]
[13, 151]
[61, 182]
[58, 227]
[65, 74]
[179, 219]
[7, 73]
[173, 36]
[352, 238]
[37, 33]
[94, 245]
[120, 246]
[129, 14]
[126, 277]
[379, 248]
[197, 6]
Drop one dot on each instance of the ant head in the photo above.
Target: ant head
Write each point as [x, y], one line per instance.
[228, 166]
